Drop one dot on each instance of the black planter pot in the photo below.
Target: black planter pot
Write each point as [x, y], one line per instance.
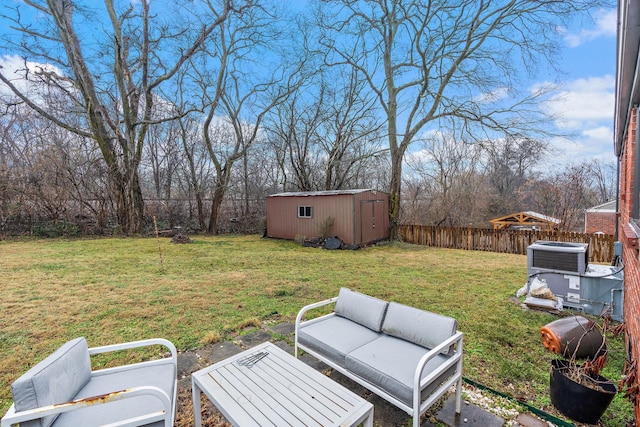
[576, 401]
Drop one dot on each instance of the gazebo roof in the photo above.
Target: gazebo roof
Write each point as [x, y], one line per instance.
[527, 218]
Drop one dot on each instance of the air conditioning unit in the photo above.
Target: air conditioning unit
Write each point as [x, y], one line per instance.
[558, 256]
[565, 268]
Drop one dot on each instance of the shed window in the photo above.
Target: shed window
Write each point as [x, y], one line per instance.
[305, 212]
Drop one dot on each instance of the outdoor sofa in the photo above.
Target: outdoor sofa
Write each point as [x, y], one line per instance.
[407, 356]
[63, 390]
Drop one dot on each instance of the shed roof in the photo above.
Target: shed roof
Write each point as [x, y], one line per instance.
[322, 193]
[605, 207]
[526, 218]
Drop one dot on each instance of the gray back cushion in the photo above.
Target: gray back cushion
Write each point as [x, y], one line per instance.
[418, 326]
[57, 379]
[360, 308]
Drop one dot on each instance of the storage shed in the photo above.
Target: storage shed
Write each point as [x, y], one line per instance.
[358, 216]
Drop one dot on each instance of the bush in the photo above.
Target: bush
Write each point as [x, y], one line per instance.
[59, 229]
[325, 226]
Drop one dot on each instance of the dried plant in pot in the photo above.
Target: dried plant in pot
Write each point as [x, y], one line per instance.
[576, 387]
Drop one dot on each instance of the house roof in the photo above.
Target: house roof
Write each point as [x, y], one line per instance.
[322, 193]
[525, 218]
[627, 77]
[605, 207]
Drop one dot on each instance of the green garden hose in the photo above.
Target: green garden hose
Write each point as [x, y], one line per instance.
[538, 412]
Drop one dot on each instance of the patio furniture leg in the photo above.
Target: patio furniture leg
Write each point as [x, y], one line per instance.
[368, 422]
[197, 411]
[459, 396]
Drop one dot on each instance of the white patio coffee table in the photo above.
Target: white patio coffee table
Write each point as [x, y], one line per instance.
[266, 386]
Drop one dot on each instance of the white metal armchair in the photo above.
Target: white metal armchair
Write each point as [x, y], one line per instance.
[62, 390]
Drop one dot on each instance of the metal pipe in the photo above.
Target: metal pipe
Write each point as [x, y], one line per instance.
[618, 195]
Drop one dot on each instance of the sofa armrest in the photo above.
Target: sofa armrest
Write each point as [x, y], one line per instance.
[12, 417]
[303, 311]
[443, 347]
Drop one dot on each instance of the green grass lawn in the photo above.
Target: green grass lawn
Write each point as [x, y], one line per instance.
[115, 290]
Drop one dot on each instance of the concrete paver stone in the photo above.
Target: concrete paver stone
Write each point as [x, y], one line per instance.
[470, 415]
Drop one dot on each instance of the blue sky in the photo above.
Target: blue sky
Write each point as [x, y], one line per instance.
[585, 99]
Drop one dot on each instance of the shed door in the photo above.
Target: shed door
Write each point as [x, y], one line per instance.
[372, 221]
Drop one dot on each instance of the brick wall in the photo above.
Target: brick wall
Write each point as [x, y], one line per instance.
[630, 254]
[600, 221]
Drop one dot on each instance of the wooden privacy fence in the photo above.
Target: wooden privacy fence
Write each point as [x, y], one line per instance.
[513, 242]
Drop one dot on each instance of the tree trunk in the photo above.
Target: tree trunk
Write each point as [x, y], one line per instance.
[218, 197]
[245, 207]
[394, 197]
[202, 223]
[129, 202]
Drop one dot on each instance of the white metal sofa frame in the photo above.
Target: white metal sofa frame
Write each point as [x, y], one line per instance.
[418, 407]
[166, 415]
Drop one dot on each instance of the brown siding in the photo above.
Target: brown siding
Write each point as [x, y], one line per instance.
[345, 209]
[372, 217]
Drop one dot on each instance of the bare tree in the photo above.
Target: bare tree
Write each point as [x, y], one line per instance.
[351, 133]
[565, 195]
[162, 155]
[446, 184]
[605, 180]
[160, 166]
[9, 159]
[238, 93]
[198, 171]
[293, 134]
[112, 84]
[228, 140]
[326, 135]
[508, 163]
[459, 61]
[49, 175]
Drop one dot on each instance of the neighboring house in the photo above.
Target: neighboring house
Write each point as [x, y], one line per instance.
[601, 219]
[627, 149]
[526, 221]
[355, 216]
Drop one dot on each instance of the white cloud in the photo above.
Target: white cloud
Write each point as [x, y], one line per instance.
[15, 69]
[583, 103]
[599, 133]
[14, 66]
[584, 107]
[417, 157]
[587, 146]
[605, 26]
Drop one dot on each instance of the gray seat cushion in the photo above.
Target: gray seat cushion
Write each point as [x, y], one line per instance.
[390, 363]
[334, 337]
[57, 379]
[161, 375]
[363, 309]
[418, 326]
